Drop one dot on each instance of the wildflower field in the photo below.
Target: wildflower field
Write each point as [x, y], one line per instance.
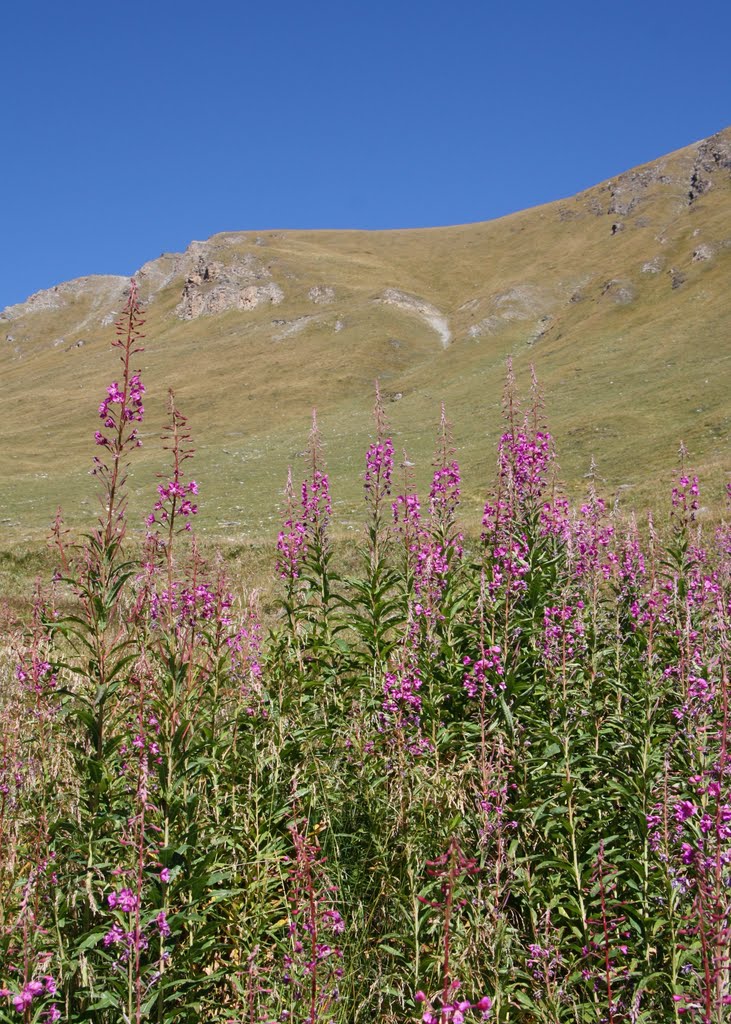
[476, 779]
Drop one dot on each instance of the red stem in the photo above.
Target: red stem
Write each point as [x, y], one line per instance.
[605, 930]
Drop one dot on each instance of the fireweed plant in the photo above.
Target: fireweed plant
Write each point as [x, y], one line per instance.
[476, 778]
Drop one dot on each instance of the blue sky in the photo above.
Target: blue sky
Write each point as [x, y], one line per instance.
[130, 129]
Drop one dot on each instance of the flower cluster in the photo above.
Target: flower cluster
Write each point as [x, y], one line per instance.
[174, 500]
[117, 936]
[379, 470]
[592, 537]
[430, 577]
[125, 900]
[401, 700]
[316, 502]
[443, 502]
[524, 459]
[700, 829]
[191, 605]
[485, 675]
[31, 991]
[684, 501]
[292, 549]
[407, 516]
[508, 567]
[554, 519]
[563, 632]
[630, 573]
[495, 519]
[455, 1010]
[543, 961]
[131, 410]
[37, 674]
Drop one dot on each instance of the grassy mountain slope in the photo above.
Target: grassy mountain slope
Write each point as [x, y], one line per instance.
[619, 296]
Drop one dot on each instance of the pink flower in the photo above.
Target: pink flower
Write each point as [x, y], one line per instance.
[684, 810]
[162, 924]
[706, 824]
[687, 853]
[115, 935]
[379, 468]
[125, 899]
[26, 996]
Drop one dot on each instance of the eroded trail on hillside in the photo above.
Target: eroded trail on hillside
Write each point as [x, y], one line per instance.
[433, 317]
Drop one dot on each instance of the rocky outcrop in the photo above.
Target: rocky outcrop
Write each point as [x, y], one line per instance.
[214, 287]
[619, 291]
[628, 190]
[713, 154]
[702, 252]
[321, 294]
[686, 176]
[104, 290]
[522, 302]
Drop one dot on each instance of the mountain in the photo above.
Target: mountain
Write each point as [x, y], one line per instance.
[619, 296]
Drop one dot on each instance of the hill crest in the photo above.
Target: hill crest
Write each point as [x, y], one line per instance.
[619, 296]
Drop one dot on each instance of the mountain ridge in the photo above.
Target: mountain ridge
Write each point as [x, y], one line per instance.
[708, 155]
[628, 275]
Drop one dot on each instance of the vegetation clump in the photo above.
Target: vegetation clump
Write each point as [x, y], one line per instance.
[469, 781]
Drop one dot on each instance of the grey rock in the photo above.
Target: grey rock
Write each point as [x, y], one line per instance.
[702, 252]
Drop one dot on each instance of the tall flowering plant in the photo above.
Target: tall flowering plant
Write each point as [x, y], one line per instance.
[121, 412]
[175, 507]
[316, 513]
[291, 542]
[377, 482]
[313, 965]
[98, 576]
[374, 608]
[449, 873]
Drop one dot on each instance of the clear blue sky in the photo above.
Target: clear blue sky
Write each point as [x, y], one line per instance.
[129, 129]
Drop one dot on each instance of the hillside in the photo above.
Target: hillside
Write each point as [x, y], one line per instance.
[618, 295]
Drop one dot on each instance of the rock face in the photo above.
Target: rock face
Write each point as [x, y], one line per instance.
[104, 290]
[713, 154]
[628, 190]
[214, 287]
[625, 195]
[702, 252]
